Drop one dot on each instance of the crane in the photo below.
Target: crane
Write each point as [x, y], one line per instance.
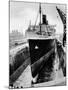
[63, 18]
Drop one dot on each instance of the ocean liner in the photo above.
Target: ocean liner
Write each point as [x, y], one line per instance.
[43, 47]
[41, 60]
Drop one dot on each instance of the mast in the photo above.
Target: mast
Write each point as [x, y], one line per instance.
[40, 16]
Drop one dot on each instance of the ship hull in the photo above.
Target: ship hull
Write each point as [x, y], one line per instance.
[42, 54]
[43, 46]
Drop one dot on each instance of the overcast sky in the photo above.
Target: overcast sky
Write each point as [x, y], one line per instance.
[21, 13]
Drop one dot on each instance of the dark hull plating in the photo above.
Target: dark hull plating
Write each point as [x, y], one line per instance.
[41, 52]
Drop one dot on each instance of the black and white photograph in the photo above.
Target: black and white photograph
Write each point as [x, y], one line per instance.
[37, 44]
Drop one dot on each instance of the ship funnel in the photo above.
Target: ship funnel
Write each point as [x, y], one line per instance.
[44, 20]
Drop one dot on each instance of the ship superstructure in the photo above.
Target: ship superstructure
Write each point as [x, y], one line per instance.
[43, 30]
